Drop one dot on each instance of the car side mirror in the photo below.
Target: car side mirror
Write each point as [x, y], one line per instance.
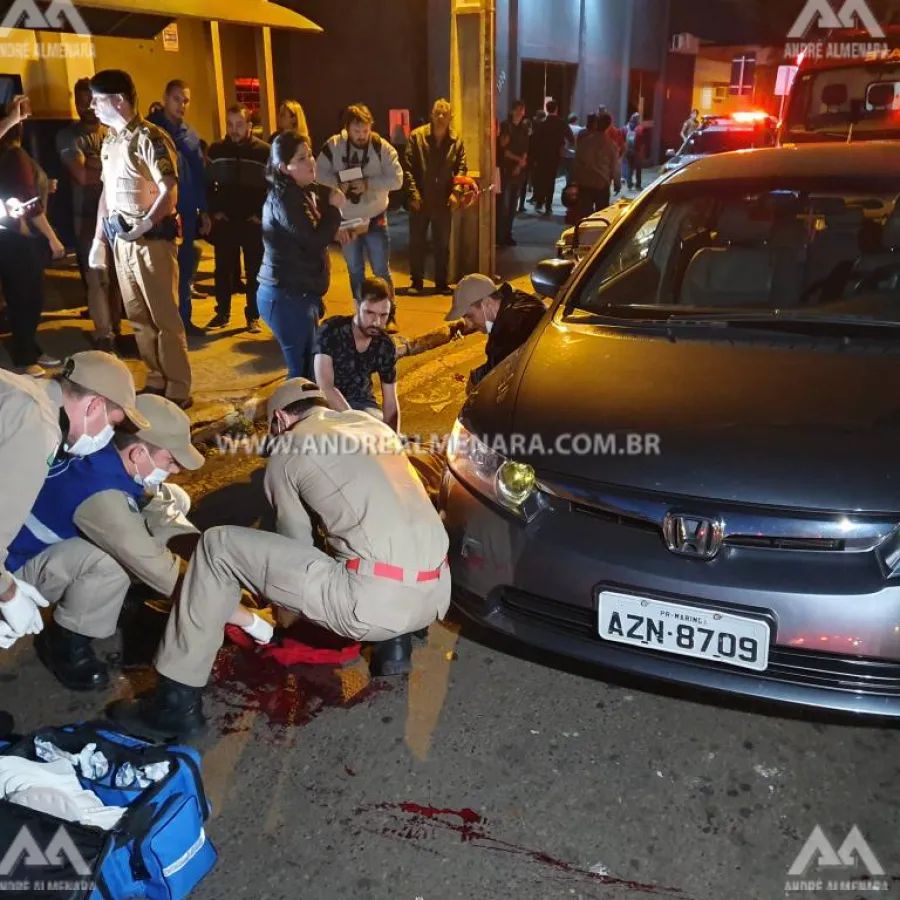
[550, 275]
[670, 153]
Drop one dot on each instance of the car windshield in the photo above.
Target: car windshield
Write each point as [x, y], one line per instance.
[707, 142]
[804, 246]
[825, 103]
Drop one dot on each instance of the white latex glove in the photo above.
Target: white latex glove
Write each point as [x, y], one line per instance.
[7, 636]
[139, 229]
[260, 630]
[21, 613]
[177, 496]
[97, 256]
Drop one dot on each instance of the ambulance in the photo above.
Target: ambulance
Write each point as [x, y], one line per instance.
[844, 100]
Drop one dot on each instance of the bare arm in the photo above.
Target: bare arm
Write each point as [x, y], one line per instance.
[83, 171]
[16, 114]
[429, 341]
[391, 406]
[324, 366]
[42, 223]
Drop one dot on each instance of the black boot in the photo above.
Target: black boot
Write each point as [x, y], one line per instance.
[172, 711]
[392, 658]
[70, 657]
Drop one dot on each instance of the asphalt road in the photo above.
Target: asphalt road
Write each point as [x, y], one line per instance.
[495, 772]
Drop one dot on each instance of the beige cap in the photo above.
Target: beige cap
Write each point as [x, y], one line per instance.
[107, 376]
[292, 390]
[168, 427]
[468, 292]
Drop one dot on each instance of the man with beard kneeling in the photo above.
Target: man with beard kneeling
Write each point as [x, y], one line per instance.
[388, 576]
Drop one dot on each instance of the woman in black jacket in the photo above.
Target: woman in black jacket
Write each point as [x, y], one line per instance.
[301, 218]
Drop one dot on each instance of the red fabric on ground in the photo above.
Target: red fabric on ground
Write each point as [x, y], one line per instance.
[291, 651]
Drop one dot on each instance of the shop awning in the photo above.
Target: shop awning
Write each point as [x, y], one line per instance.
[147, 18]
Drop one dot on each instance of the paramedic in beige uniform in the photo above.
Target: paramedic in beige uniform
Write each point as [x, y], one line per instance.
[137, 216]
[78, 409]
[388, 576]
[101, 501]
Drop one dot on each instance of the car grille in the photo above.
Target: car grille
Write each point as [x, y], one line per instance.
[803, 667]
[745, 527]
[749, 541]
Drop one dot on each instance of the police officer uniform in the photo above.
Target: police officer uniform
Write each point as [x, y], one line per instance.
[89, 512]
[387, 577]
[135, 161]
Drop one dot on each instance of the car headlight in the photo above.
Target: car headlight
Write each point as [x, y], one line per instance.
[510, 484]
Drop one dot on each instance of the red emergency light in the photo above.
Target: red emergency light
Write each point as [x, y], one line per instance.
[750, 116]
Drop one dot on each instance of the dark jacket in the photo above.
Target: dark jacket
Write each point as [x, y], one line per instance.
[296, 235]
[430, 167]
[549, 141]
[191, 167]
[519, 315]
[514, 139]
[236, 178]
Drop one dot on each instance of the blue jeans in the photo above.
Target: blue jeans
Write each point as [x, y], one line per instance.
[376, 245]
[513, 188]
[293, 318]
[187, 262]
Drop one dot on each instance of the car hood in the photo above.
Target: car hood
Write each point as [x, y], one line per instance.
[753, 421]
[676, 162]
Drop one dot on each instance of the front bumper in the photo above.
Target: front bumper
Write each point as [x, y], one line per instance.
[836, 637]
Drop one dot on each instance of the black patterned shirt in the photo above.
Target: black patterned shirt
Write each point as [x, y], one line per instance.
[353, 370]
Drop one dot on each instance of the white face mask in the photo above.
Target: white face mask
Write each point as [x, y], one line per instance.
[488, 326]
[88, 444]
[154, 479]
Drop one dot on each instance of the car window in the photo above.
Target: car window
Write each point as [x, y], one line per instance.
[636, 249]
[713, 246]
[827, 102]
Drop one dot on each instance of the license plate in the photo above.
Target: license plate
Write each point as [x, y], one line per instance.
[684, 630]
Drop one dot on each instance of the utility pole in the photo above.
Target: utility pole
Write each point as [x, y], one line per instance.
[472, 94]
[626, 62]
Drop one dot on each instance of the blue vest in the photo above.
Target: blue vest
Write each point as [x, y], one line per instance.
[70, 481]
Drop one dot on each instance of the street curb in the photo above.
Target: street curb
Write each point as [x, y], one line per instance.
[252, 409]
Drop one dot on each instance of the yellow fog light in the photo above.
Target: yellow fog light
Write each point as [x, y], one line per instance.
[515, 482]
